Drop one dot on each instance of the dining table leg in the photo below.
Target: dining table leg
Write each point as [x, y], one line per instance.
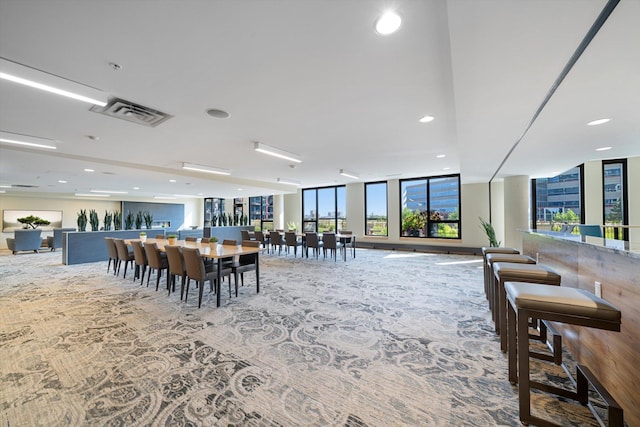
[218, 287]
[258, 272]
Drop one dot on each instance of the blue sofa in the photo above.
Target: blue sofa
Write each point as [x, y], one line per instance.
[25, 240]
[54, 242]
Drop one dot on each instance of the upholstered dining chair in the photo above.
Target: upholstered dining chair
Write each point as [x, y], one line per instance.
[190, 239]
[276, 240]
[313, 242]
[330, 243]
[291, 240]
[348, 241]
[245, 235]
[140, 259]
[248, 262]
[260, 238]
[156, 262]
[113, 254]
[124, 254]
[194, 265]
[176, 268]
[160, 236]
[204, 240]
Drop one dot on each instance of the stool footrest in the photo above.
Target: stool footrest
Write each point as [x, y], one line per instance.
[585, 378]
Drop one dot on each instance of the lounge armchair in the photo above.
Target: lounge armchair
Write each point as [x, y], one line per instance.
[54, 242]
[25, 240]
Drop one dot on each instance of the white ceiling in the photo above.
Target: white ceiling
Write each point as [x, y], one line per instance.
[313, 77]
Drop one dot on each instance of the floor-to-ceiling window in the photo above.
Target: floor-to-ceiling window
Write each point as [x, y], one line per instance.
[261, 212]
[375, 208]
[430, 207]
[614, 198]
[324, 209]
[558, 200]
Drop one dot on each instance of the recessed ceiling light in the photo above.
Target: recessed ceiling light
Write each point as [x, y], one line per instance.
[426, 119]
[136, 188]
[598, 122]
[172, 180]
[218, 114]
[445, 169]
[603, 148]
[89, 170]
[240, 189]
[440, 156]
[62, 181]
[388, 23]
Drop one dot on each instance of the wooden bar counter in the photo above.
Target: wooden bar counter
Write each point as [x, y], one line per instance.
[614, 357]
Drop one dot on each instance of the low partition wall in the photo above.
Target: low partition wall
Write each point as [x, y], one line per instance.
[230, 232]
[417, 247]
[80, 247]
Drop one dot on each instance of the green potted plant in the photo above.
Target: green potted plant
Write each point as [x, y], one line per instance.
[33, 221]
[93, 220]
[143, 236]
[213, 242]
[117, 220]
[172, 238]
[139, 220]
[490, 232]
[108, 218]
[291, 226]
[82, 220]
[128, 221]
[148, 219]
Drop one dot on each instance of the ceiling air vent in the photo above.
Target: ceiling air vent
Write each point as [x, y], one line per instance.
[131, 112]
[23, 186]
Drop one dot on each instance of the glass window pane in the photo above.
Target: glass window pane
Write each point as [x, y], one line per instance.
[376, 209]
[613, 190]
[326, 209]
[558, 201]
[341, 193]
[444, 230]
[309, 204]
[443, 198]
[413, 194]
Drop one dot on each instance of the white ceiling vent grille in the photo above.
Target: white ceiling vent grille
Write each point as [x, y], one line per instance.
[131, 112]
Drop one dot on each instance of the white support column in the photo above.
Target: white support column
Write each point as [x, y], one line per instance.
[516, 209]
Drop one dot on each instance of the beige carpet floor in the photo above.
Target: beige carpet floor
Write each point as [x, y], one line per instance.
[385, 339]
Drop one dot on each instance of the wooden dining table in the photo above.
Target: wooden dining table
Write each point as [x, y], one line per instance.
[212, 251]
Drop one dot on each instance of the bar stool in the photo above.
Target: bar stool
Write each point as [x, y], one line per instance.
[493, 250]
[558, 304]
[500, 257]
[514, 272]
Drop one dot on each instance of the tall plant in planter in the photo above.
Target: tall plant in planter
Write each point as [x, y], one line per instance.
[148, 219]
[108, 218]
[117, 220]
[224, 220]
[490, 232]
[82, 220]
[93, 220]
[128, 221]
[139, 220]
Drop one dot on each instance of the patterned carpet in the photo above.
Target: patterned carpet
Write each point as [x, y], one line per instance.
[386, 339]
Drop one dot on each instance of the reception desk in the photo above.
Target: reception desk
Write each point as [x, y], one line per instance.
[614, 357]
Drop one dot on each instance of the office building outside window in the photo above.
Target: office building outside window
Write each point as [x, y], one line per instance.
[430, 207]
[324, 209]
[558, 200]
[614, 199]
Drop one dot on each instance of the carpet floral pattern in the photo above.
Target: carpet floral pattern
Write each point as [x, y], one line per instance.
[385, 339]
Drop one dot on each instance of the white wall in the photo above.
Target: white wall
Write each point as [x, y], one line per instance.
[593, 193]
[516, 209]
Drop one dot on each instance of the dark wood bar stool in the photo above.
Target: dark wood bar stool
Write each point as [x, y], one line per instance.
[493, 250]
[492, 296]
[513, 272]
[558, 304]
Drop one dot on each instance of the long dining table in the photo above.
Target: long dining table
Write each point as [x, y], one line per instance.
[212, 251]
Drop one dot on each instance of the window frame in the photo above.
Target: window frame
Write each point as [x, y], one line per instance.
[336, 219]
[624, 196]
[366, 216]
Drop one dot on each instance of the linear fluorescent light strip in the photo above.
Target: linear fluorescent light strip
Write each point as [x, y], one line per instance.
[109, 192]
[288, 181]
[164, 198]
[206, 169]
[26, 140]
[348, 174]
[92, 195]
[32, 77]
[276, 152]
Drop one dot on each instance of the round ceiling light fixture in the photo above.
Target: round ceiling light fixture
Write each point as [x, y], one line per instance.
[388, 23]
[218, 114]
[426, 119]
[598, 122]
